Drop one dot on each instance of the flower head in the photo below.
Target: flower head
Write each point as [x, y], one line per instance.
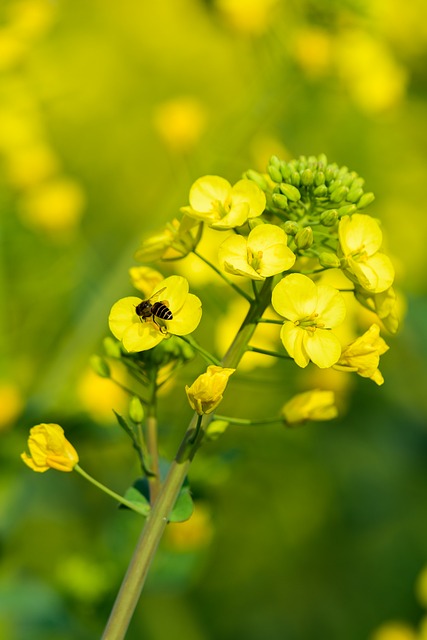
[175, 241]
[360, 240]
[310, 405]
[310, 312]
[49, 449]
[139, 333]
[205, 393]
[264, 253]
[221, 206]
[363, 355]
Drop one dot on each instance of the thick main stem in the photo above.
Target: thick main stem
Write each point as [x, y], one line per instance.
[148, 542]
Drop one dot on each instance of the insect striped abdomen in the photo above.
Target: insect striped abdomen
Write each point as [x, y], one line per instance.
[160, 310]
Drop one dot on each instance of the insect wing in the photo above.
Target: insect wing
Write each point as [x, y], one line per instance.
[156, 295]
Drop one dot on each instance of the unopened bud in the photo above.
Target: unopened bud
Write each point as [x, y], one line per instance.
[322, 159]
[321, 191]
[100, 366]
[285, 171]
[296, 179]
[304, 238]
[346, 210]
[280, 201]
[365, 200]
[257, 178]
[136, 410]
[354, 194]
[274, 173]
[331, 173]
[112, 347]
[254, 222]
[307, 177]
[329, 217]
[329, 260]
[290, 227]
[319, 178]
[339, 194]
[275, 162]
[291, 192]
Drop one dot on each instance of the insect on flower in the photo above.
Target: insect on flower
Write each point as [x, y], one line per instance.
[153, 309]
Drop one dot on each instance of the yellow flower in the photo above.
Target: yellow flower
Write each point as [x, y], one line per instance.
[205, 393]
[360, 238]
[310, 405]
[175, 241]
[363, 355]
[221, 206]
[49, 449]
[383, 304]
[138, 333]
[180, 122]
[310, 312]
[145, 279]
[264, 253]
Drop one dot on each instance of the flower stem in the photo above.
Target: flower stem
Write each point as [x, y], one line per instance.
[223, 276]
[247, 421]
[143, 510]
[275, 354]
[157, 520]
[152, 443]
[210, 359]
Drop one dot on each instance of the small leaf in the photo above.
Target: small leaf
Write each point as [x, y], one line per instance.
[133, 495]
[183, 508]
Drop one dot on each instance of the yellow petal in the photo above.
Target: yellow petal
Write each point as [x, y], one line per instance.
[188, 317]
[330, 307]
[141, 336]
[292, 338]
[359, 232]
[375, 274]
[207, 191]
[276, 259]
[30, 463]
[323, 347]
[123, 314]
[248, 192]
[264, 236]
[175, 292]
[237, 216]
[295, 297]
[233, 257]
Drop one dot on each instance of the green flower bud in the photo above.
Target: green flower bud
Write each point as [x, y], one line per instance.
[304, 238]
[329, 259]
[329, 217]
[254, 222]
[347, 210]
[335, 184]
[307, 177]
[275, 162]
[285, 171]
[365, 200]
[354, 194]
[274, 173]
[321, 191]
[296, 179]
[100, 366]
[331, 173]
[291, 192]
[357, 182]
[339, 194]
[136, 410]
[215, 429]
[347, 180]
[319, 178]
[322, 159]
[257, 178]
[290, 227]
[280, 201]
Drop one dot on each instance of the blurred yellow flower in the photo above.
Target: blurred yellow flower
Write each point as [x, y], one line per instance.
[28, 166]
[383, 304]
[99, 395]
[421, 587]
[11, 403]
[394, 631]
[221, 206]
[360, 240]
[177, 240]
[252, 17]
[12, 48]
[310, 312]
[180, 122]
[313, 50]
[145, 279]
[193, 534]
[138, 333]
[264, 253]
[49, 449]
[207, 390]
[30, 19]
[310, 405]
[363, 355]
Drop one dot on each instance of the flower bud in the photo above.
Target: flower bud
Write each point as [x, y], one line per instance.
[205, 393]
[307, 177]
[331, 173]
[329, 217]
[319, 178]
[365, 200]
[354, 194]
[346, 210]
[100, 366]
[295, 179]
[322, 160]
[290, 227]
[311, 405]
[136, 410]
[275, 162]
[285, 171]
[280, 201]
[254, 222]
[339, 194]
[49, 449]
[257, 178]
[274, 173]
[329, 260]
[112, 347]
[291, 192]
[321, 191]
[304, 238]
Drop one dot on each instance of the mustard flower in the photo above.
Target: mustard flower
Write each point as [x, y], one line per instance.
[383, 304]
[145, 279]
[264, 253]
[310, 405]
[363, 355]
[311, 311]
[206, 392]
[176, 240]
[49, 449]
[214, 201]
[138, 333]
[360, 239]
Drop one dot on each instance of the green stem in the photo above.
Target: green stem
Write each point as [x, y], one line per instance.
[194, 437]
[133, 582]
[275, 354]
[210, 359]
[223, 276]
[247, 421]
[142, 510]
[270, 321]
[152, 443]
[130, 391]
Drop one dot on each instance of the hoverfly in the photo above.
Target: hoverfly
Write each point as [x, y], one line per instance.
[154, 309]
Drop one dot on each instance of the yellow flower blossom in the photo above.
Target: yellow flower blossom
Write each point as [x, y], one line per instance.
[360, 239]
[250, 17]
[310, 312]
[264, 253]
[49, 449]
[206, 392]
[180, 122]
[363, 355]
[140, 334]
[383, 304]
[145, 279]
[221, 206]
[310, 405]
[176, 240]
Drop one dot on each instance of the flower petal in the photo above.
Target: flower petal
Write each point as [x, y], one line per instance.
[323, 347]
[248, 192]
[123, 314]
[188, 317]
[359, 232]
[264, 236]
[293, 341]
[330, 307]
[233, 257]
[237, 216]
[173, 291]
[276, 259]
[207, 191]
[141, 336]
[295, 297]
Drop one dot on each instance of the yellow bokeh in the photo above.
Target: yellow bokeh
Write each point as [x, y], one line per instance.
[196, 533]
[394, 631]
[11, 404]
[99, 396]
[180, 122]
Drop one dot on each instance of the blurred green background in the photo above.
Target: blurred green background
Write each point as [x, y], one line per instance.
[108, 112]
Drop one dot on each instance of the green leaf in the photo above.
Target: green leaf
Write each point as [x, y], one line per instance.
[133, 495]
[183, 508]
